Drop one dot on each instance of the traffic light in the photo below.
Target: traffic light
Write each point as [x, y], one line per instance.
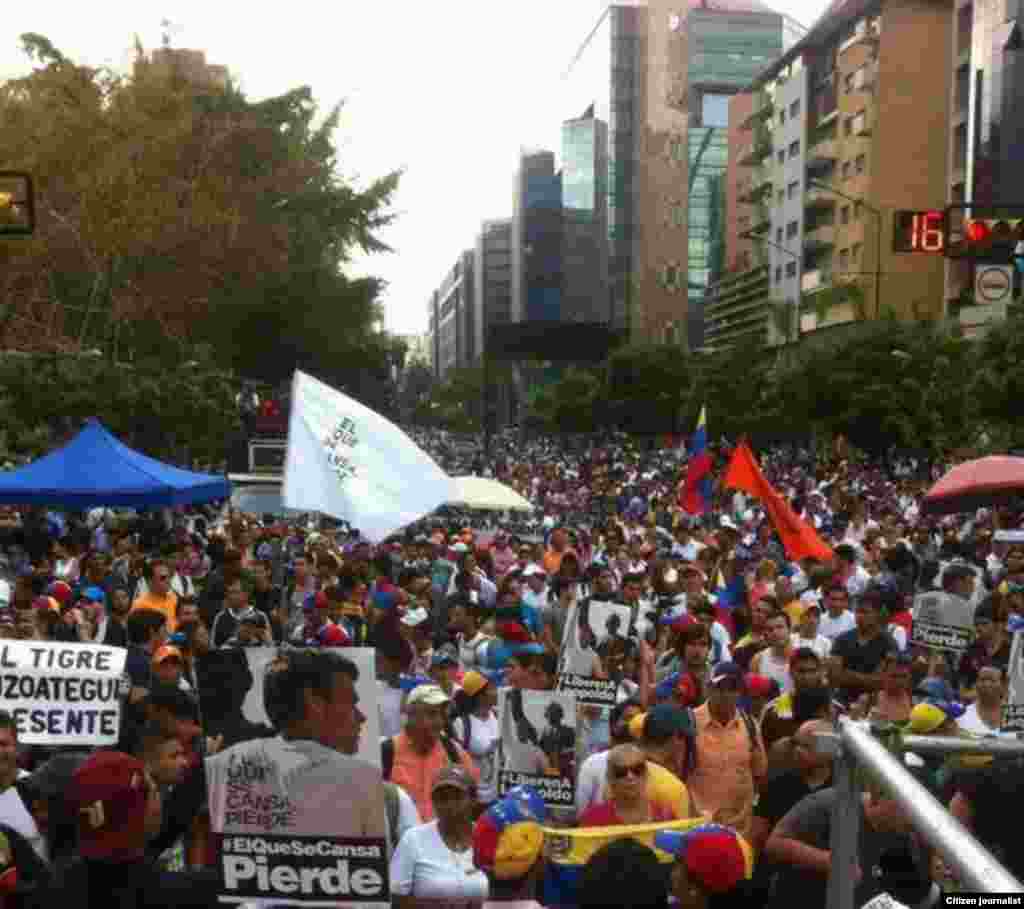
[993, 240]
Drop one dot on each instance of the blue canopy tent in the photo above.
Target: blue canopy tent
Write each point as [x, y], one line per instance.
[94, 469]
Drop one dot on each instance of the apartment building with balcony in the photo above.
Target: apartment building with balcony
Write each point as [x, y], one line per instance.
[850, 140]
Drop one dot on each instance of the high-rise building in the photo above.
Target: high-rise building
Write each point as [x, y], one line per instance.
[660, 74]
[452, 320]
[585, 296]
[842, 134]
[537, 240]
[492, 283]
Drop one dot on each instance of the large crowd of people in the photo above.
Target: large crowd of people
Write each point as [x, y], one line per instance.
[727, 658]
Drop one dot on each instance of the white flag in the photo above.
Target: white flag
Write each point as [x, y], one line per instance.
[346, 461]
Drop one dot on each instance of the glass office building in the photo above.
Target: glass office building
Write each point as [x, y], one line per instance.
[728, 49]
[537, 239]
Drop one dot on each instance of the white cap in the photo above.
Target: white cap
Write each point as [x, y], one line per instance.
[727, 522]
[534, 571]
[414, 617]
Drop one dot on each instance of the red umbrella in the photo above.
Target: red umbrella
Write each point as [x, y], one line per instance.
[996, 480]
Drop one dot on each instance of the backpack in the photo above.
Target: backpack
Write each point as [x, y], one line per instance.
[387, 755]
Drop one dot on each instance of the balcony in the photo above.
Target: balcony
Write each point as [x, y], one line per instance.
[756, 188]
[756, 152]
[764, 111]
[818, 199]
[819, 238]
[822, 157]
[813, 281]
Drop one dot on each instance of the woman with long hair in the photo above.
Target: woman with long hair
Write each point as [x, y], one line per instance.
[473, 723]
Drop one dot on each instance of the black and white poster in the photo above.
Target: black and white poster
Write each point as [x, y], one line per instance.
[62, 694]
[593, 631]
[299, 802]
[538, 743]
[942, 622]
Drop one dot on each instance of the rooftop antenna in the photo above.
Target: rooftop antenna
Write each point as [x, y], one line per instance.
[169, 30]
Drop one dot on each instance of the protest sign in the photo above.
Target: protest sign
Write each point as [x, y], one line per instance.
[942, 622]
[62, 694]
[592, 631]
[302, 817]
[538, 744]
[1013, 710]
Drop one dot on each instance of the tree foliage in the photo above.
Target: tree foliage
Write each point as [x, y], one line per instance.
[173, 213]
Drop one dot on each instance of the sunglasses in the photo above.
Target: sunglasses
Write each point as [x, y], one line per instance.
[622, 771]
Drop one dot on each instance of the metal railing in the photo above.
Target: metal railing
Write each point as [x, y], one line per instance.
[854, 744]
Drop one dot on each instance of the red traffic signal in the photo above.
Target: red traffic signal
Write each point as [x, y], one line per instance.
[977, 232]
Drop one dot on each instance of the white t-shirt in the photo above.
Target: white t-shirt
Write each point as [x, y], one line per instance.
[821, 645]
[582, 661]
[769, 665]
[831, 628]
[389, 706]
[424, 867]
[591, 779]
[484, 736]
[971, 722]
[408, 816]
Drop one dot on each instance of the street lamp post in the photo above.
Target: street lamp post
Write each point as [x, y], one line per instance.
[749, 235]
[827, 187]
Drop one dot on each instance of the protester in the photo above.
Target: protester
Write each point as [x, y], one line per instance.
[435, 860]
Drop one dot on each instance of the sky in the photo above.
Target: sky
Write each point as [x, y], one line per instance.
[447, 91]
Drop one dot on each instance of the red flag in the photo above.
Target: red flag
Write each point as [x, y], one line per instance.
[798, 537]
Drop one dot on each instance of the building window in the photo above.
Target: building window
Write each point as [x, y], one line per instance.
[791, 269]
[855, 253]
[782, 196]
[860, 122]
[860, 164]
[714, 110]
[778, 235]
[794, 149]
[778, 273]
[794, 109]
[793, 189]
[782, 156]
[846, 170]
[792, 229]
[844, 259]
[844, 215]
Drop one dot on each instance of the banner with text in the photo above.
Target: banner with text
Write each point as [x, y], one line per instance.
[596, 639]
[1013, 710]
[942, 622]
[62, 694]
[302, 816]
[538, 744]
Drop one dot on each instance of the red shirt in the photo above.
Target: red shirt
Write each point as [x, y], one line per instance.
[605, 815]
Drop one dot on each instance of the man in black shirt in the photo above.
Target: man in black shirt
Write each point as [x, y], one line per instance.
[857, 654]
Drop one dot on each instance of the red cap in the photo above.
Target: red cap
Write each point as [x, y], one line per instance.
[61, 592]
[110, 792]
[321, 600]
[333, 636]
[513, 632]
[759, 686]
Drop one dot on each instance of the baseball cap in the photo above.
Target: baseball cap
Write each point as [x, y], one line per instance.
[474, 682]
[663, 721]
[46, 604]
[724, 672]
[109, 789]
[428, 695]
[715, 857]
[384, 599]
[332, 635]
[929, 716]
[61, 592]
[533, 571]
[759, 686]
[167, 653]
[95, 594]
[513, 632]
[415, 617]
[453, 778]
[508, 838]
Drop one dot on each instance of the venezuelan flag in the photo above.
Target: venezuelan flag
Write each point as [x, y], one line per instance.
[567, 851]
[695, 497]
